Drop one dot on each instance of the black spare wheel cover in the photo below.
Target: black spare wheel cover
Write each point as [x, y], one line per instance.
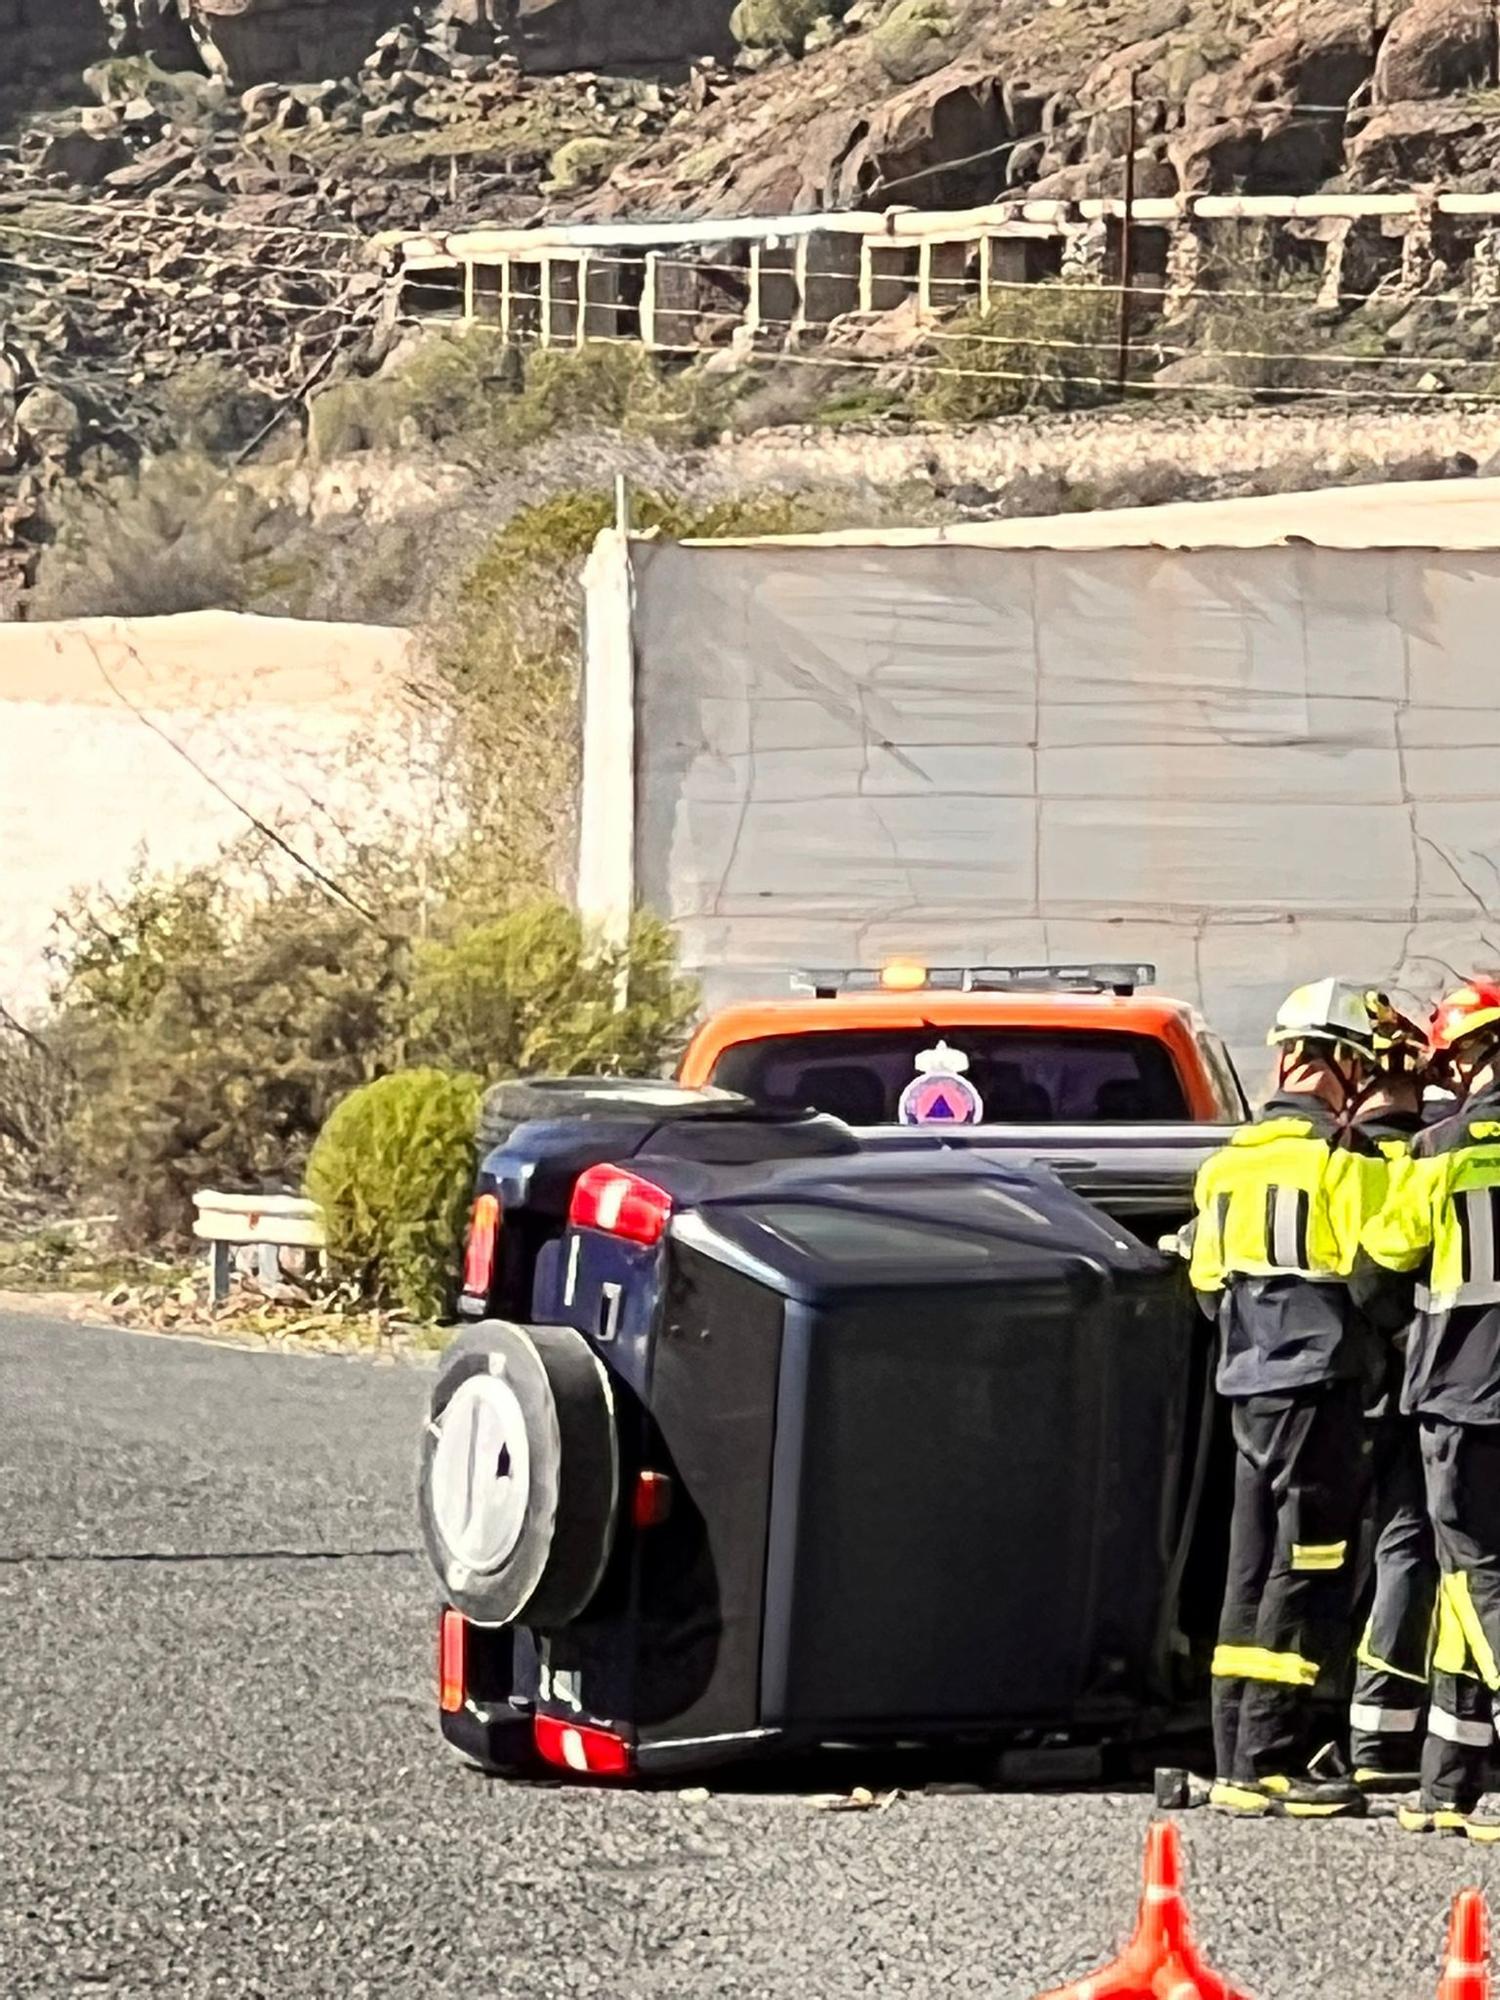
[519, 1475]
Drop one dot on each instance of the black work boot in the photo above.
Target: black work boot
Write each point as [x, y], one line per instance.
[1314, 1798]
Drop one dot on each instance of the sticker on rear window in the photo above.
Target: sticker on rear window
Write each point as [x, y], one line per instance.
[940, 1093]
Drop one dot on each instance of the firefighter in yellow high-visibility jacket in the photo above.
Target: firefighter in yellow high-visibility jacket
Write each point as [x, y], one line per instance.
[1439, 1231]
[1387, 1712]
[1279, 1212]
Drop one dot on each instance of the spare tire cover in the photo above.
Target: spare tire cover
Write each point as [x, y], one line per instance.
[518, 1480]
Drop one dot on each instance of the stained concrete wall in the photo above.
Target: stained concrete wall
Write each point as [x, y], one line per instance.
[1250, 765]
[116, 735]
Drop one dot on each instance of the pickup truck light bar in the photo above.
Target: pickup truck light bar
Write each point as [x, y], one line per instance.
[904, 977]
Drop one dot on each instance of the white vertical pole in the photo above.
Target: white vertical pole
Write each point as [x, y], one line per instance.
[753, 313]
[607, 806]
[648, 301]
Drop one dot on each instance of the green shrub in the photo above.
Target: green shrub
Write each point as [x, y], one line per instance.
[581, 162]
[508, 655]
[777, 24]
[1255, 337]
[209, 406]
[391, 1171]
[536, 990]
[472, 384]
[913, 39]
[209, 1035]
[610, 385]
[36, 1101]
[1046, 346]
[176, 536]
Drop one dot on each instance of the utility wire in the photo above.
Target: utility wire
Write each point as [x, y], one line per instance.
[833, 358]
[263, 827]
[937, 335]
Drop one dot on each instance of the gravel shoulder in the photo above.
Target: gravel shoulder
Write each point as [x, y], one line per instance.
[219, 1775]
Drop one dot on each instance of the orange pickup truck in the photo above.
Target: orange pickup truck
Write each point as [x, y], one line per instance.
[1037, 1045]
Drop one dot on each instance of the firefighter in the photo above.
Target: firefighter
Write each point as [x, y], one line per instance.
[1441, 1226]
[1390, 1687]
[1279, 1212]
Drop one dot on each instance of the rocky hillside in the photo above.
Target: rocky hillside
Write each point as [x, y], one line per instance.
[943, 103]
[808, 103]
[187, 187]
[47, 42]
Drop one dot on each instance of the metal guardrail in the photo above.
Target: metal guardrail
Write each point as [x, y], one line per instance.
[269, 1222]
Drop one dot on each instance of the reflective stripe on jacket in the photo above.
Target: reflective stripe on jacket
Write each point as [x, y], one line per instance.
[1441, 1221]
[1280, 1210]
[1281, 1200]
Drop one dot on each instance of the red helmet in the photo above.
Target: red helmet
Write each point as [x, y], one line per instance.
[1464, 1012]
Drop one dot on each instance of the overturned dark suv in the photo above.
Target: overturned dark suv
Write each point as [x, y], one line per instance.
[767, 1430]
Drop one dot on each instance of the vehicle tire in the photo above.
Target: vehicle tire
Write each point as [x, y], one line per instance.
[519, 1476]
[518, 1102]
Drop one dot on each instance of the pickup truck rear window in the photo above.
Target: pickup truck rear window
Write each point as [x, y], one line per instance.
[1026, 1076]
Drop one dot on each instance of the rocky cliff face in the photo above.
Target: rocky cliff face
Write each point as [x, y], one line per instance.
[556, 35]
[943, 103]
[46, 39]
[845, 100]
[258, 41]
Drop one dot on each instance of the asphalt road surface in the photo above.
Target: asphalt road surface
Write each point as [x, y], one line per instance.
[219, 1773]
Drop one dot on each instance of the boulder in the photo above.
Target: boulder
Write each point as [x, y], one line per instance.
[153, 168]
[583, 162]
[154, 28]
[83, 157]
[476, 25]
[1436, 47]
[914, 39]
[1215, 159]
[957, 114]
[381, 121]
[1421, 142]
[261, 41]
[48, 420]
[1323, 58]
[1267, 153]
[1100, 175]
[560, 35]
[776, 24]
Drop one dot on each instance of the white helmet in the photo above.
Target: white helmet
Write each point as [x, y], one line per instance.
[1335, 1011]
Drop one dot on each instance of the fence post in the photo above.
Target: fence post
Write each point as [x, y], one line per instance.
[1122, 362]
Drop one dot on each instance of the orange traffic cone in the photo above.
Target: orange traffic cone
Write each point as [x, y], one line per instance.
[1159, 1963]
[1466, 1969]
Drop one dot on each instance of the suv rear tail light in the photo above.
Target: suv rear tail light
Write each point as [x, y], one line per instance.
[573, 1746]
[621, 1204]
[481, 1245]
[452, 1646]
[651, 1501]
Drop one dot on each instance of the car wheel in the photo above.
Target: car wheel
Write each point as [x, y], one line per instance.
[518, 1480]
